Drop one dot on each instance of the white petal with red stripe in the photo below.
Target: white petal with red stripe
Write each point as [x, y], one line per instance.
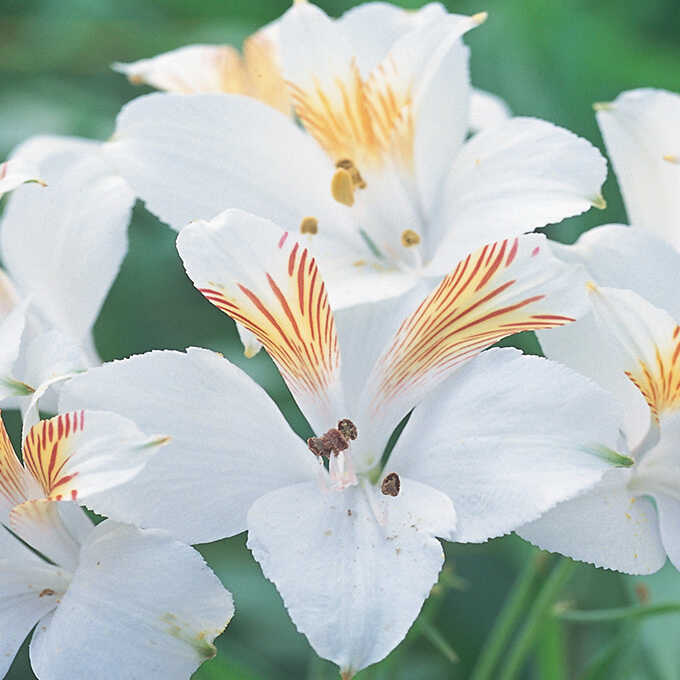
[265, 280]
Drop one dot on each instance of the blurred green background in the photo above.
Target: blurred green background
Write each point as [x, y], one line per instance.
[545, 58]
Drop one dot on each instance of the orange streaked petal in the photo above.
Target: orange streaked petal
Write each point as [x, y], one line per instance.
[48, 447]
[264, 78]
[501, 289]
[650, 339]
[13, 487]
[263, 279]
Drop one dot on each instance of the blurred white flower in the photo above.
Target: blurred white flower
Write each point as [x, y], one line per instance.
[641, 129]
[380, 181]
[630, 345]
[87, 588]
[348, 538]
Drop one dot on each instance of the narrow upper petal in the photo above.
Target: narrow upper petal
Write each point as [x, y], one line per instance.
[529, 171]
[351, 585]
[14, 173]
[80, 453]
[28, 591]
[498, 290]
[608, 526]
[642, 133]
[506, 438]
[265, 280]
[115, 621]
[63, 245]
[650, 342]
[199, 490]
[190, 157]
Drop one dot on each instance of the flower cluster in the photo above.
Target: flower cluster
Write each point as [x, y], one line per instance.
[364, 216]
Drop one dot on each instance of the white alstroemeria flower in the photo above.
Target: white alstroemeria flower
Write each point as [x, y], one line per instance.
[380, 182]
[641, 129]
[61, 248]
[350, 540]
[629, 345]
[14, 173]
[109, 601]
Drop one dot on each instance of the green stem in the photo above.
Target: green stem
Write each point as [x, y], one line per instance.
[439, 642]
[540, 609]
[513, 607]
[619, 613]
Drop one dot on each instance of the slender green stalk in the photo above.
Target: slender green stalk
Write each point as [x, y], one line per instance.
[439, 642]
[540, 609]
[551, 651]
[505, 623]
[619, 613]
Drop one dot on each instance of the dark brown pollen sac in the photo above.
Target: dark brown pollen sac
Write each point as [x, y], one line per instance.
[391, 484]
[318, 447]
[348, 429]
[335, 440]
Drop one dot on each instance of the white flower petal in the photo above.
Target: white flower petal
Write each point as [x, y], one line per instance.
[608, 526]
[641, 129]
[229, 443]
[11, 333]
[498, 290]
[669, 526]
[189, 157]
[28, 591]
[486, 110]
[352, 586]
[139, 605]
[508, 437]
[63, 245]
[14, 173]
[263, 278]
[529, 171]
[373, 27]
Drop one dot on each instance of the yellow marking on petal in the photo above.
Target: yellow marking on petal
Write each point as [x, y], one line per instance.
[291, 316]
[473, 307]
[365, 119]
[263, 72]
[599, 202]
[12, 479]
[603, 106]
[671, 158]
[342, 187]
[48, 447]
[309, 225]
[479, 18]
[591, 287]
[409, 238]
[358, 263]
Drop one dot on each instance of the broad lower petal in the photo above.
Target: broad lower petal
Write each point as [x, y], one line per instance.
[140, 605]
[640, 129]
[198, 491]
[669, 526]
[501, 289]
[28, 591]
[63, 245]
[529, 171]
[350, 584]
[265, 280]
[608, 526]
[506, 438]
[190, 157]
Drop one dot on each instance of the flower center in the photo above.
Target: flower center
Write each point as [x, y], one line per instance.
[334, 446]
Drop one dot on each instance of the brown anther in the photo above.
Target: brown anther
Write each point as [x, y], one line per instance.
[318, 447]
[335, 440]
[391, 484]
[409, 238]
[348, 429]
[47, 592]
[342, 188]
[309, 225]
[357, 179]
